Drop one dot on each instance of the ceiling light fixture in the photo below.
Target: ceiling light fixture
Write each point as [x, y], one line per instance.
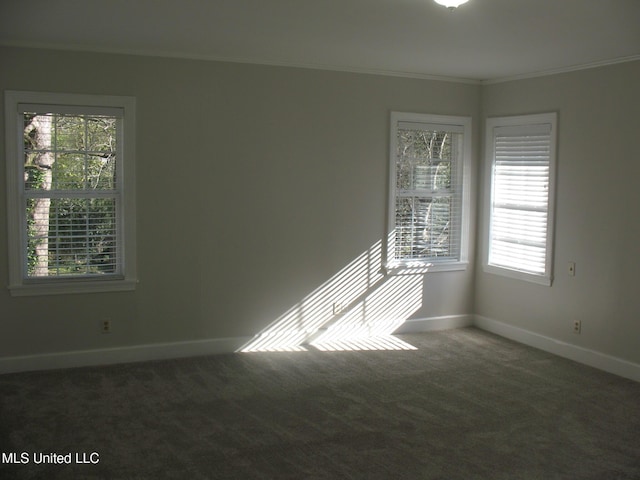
[451, 4]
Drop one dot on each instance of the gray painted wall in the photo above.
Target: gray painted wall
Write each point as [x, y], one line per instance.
[256, 185]
[597, 212]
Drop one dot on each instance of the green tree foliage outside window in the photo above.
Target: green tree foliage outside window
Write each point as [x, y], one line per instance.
[70, 185]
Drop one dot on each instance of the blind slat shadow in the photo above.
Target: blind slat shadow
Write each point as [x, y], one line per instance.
[372, 306]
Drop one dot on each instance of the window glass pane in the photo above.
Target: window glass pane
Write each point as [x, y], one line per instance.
[405, 235]
[69, 152]
[423, 159]
[70, 133]
[424, 173]
[71, 236]
[68, 172]
[423, 228]
[101, 135]
[101, 172]
[39, 156]
[424, 143]
[439, 227]
[404, 175]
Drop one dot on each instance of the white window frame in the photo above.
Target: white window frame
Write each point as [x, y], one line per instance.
[462, 171]
[19, 283]
[528, 124]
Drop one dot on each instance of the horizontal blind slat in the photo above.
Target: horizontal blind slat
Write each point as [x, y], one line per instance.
[520, 197]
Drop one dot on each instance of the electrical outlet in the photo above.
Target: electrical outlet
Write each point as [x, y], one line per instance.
[577, 326]
[572, 269]
[105, 325]
[337, 308]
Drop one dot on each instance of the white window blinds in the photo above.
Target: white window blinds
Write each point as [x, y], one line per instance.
[522, 164]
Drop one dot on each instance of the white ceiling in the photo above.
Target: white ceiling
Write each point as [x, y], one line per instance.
[482, 40]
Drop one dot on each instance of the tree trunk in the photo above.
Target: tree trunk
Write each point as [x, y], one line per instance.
[44, 159]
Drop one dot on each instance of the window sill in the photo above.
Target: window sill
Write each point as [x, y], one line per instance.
[72, 287]
[419, 268]
[519, 275]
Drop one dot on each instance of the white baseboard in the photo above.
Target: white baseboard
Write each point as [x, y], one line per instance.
[576, 353]
[162, 351]
[420, 325]
[109, 356]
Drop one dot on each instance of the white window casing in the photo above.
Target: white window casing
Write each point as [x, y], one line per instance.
[80, 237]
[519, 200]
[429, 193]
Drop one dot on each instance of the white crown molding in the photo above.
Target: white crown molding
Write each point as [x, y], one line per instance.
[249, 61]
[557, 71]
[334, 68]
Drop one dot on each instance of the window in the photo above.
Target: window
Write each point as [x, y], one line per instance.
[521, 162]
[429, 192]
[70, 183]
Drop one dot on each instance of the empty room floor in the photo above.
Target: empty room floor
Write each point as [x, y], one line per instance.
[464, 404]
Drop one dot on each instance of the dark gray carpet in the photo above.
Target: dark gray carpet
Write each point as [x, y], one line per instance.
[464, 405]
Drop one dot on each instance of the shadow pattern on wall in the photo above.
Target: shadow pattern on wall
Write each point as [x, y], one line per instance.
[358, 308]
